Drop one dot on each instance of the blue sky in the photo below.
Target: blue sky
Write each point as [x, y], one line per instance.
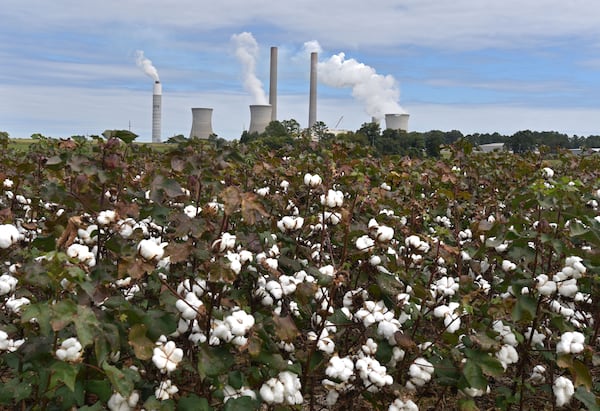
[68, 67]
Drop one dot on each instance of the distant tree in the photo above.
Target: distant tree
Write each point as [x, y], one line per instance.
[292, 128]
[176, 139]
[433, 141]
[247, 137]
[319, 131]
[371, 131]
[452, 136]
[522, 141]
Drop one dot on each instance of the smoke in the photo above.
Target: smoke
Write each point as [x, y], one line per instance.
[146, 65]
[246, 51]
[379, 93]
[312, 46]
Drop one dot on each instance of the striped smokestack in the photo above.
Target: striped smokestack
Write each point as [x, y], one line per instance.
[312, 104]
[156, 111]
[273, 84]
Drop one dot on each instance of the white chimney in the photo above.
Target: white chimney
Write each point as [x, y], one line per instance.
[260, 117]
[312, 104]
[201, 123]
[156, 111]
[273, 84]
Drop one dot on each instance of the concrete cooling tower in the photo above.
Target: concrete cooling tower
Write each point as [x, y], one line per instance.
[397, 121]
[260, 117]
[201, 123]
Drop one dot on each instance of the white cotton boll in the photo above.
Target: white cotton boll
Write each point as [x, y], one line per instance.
[403, 405]
[264, 191]
[274, 288]
[547, 172]
[332, 217]
[385, 186]
[70, 350]
[152, 248]
[191, 210]
[327, 270]
[290, 223]
[8, 284]
[226, 242]
[240, 322]
[563, 390]
[9, 235]
[14, 305]
[165, 390]
[446, 286]
[384, 234]
[544, 285]
[117, 403]
[538, 375]
[476, 392]
[284, 185]
[375, 260]
[340, 368]
[365, 243]
[106, 217]
[312, 180]
[508, 265]
[334, 198]
[571, 343]
[7, 183]
[166, 356]
[568, 288]
[507, 355]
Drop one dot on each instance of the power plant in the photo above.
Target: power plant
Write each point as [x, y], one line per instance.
[337, 72]
[201, 123]
[396, 121]
[156, 111]
[260, 117]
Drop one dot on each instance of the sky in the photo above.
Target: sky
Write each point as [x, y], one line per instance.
[68, 67]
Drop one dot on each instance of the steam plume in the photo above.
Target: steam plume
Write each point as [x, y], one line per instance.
[246, 51]
[379, 93]
[146, 65]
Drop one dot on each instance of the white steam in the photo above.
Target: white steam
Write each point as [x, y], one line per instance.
[379, 93]
[246, 51]
[146, 65]
[312, 46]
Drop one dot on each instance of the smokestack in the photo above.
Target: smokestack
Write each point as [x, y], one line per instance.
[273, 84]
[156, 111]
[397, 121]
[260, 117]
[312, 105]
[201, 123]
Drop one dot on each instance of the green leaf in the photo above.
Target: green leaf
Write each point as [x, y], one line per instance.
[64, 372]
[474, 375]
[44, 244]
[14, 391]
[62, 314]
[159, 322]
[241, 404]
[101, 388]
[142, 345]
[214, 361]
[591, 401]
[96, 407]
[525, 308]
[489, 365]
[40, 313]
[118, 379]
[467, 404]
[582, 374]
[86, 325]
[193, 403]
[235, 379]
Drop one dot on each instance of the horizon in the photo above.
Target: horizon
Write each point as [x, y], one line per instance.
[71, 70]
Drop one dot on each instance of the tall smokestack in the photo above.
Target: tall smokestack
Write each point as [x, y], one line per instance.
[201, 123]
[397, 121]
[273, 84]
[156, 111]
[260, 117]
[312, 104]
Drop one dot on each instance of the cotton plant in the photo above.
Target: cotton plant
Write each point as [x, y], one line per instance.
[165, 390]
[374, 375]
[420, 373]
[70, 350]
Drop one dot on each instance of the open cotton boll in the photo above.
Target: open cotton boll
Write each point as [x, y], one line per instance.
[166, 356]
[508, 265]
[365, 243]
[82, 253]
[384, 234]
[507, 355]
[571, 343]
[8, 284]
[538, 375]
[563, 390]
[334, 198]
[106, 217]
[226, 242]
[70, 350]
[290, 223]
[544, 285]
[312, 180]
[165, 390]
[118, 403]
[547, 172]
[239, 322]
[191, 210]
[9, 235]
[263, 191]
[403, 405]
[340, 368]
[152, 248]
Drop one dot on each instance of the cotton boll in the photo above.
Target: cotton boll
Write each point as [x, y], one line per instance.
[365, 243]
[152, 249]
[70, 350]
[191, 210]
[264, 191]
[571, 343]
[544, 285]
[568, 288]
[507, 355]
[8, 284]
[9, 235]
[403, 405]
[334, 198]
[563, 390]
[508, 265]
[106, 217]
[226, 242]
[384, 234]
[312, 180]
[547, 172]
[165, 390]
[538, 375]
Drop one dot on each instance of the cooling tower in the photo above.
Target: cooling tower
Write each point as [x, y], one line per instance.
[260, 117]
[397, 121]
[201, 123]
[273, 84]
[156, 108]
[312, 104]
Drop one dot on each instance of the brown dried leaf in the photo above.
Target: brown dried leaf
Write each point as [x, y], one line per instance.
[68, 236]
[232, 199]
[285, 328]
[252, 209]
